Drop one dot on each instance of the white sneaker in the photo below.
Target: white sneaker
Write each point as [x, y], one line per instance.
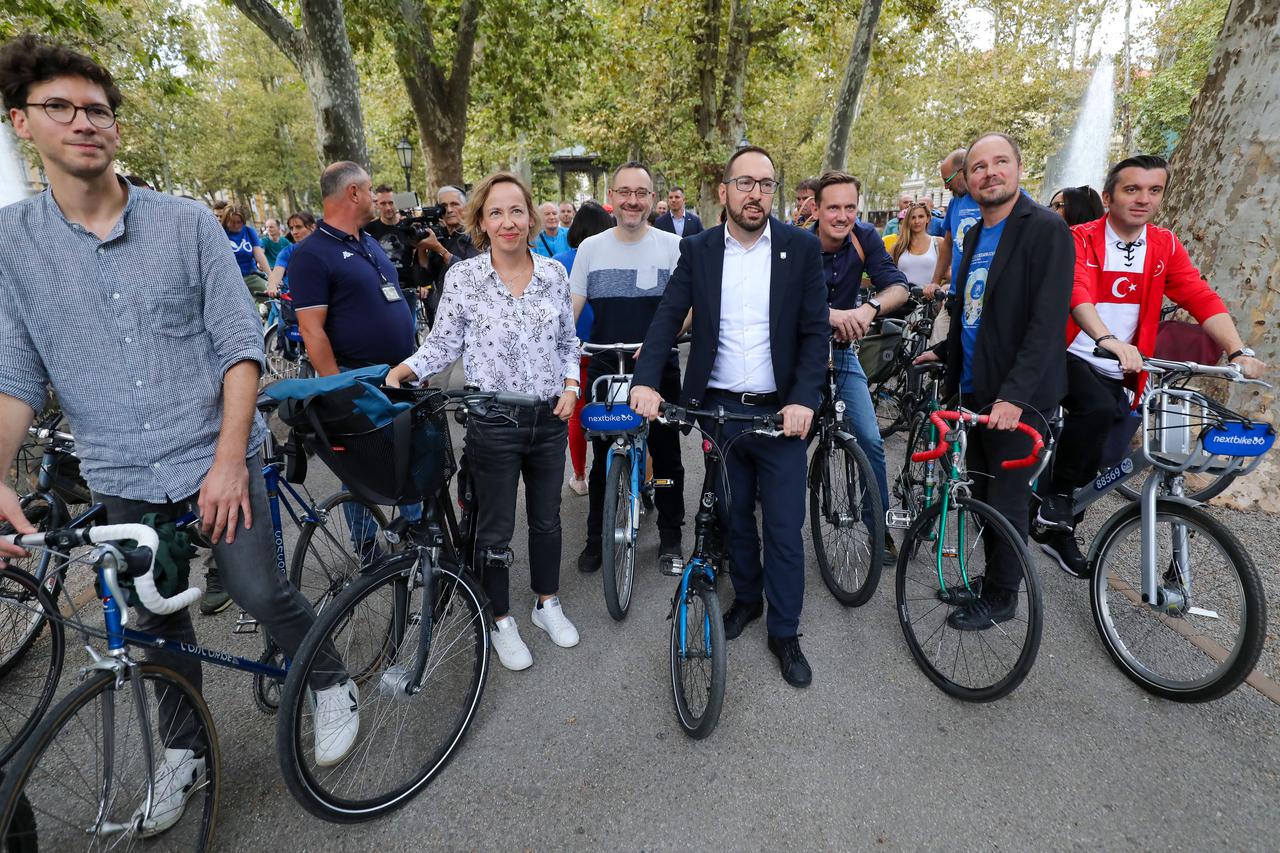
[337, 713]
[578, 485]
[550, 618]
[505, 639]
[178, 777]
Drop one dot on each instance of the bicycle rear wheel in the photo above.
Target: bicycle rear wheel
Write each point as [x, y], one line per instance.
[56, 793]
[698, 658]
[19, 630]
[31, 648]
[940, 562]
[405, 740]
[346, 535]
[887, 398]
[842, 495]
[618, 550]
[1205, 634]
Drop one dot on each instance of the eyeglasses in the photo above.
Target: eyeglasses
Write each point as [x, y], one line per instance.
[946, 182]
[1057, 205]
[64, 112]
[638, 195]
[746, 184]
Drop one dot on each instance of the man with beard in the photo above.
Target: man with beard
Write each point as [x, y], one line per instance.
[623, 273]
[760, 327]
[1004, 352]
[397, 241]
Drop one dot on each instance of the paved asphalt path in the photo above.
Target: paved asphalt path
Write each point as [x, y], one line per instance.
[582, 751]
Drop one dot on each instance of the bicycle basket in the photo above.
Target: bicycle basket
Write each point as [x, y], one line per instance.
[385, 451]
[878, 353]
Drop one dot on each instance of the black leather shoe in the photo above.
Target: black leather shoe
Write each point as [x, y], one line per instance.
[590, 558]
[985, 612]
[795, 669]
[739, 616]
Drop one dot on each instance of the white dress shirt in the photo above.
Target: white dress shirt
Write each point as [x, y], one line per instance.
[743, 360]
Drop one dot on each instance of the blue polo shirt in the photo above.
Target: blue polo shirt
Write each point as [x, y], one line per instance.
[347, 275]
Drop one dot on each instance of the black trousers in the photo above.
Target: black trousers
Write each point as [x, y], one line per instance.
[772, 471]
[499, 453]
[1008, 492]
[1094, 404]
[664, 447]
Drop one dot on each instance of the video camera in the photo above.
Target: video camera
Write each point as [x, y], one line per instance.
[422, 220]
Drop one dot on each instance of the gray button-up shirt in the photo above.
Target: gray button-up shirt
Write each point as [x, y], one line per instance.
[134, 332]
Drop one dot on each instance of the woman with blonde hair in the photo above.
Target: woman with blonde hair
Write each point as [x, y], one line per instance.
[507, 313]
[247, 247]
[915, 251]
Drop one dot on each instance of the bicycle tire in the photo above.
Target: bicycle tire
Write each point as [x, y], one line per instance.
[326, 556]
[887, 399]
[917, 590]
[618, 556]
[842, 514]
[458, 624]
[29, 785]
[701, 600]
[21, 676]
[45, 514]
[1249, 636]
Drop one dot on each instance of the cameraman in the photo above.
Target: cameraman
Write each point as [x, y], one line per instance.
[455, 246]
[397, 240]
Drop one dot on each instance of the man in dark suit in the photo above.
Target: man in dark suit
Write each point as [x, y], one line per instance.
[759, 346]
[678, 220]
[1005, 351]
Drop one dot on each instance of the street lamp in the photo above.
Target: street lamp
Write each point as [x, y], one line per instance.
[404, 151]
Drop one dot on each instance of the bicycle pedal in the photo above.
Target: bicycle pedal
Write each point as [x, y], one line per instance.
[245, 624]
[897, 519]
[662, 484]
[950, 551]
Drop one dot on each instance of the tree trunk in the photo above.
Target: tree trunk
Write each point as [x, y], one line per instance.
[439, 100]
[1225, 178]
[854, 73]
[706, 113]
[321, 52]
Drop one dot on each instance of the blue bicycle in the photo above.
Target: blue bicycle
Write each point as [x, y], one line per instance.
[699, 657]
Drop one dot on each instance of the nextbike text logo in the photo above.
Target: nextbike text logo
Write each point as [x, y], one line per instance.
[1246, 440]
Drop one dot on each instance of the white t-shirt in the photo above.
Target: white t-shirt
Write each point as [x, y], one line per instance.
[1119, 300]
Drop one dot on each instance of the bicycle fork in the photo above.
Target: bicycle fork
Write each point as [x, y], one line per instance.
[682, 608]
[1168, 593]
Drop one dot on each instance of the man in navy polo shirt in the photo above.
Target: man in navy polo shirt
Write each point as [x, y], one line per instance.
[849, 249]
[351, 311]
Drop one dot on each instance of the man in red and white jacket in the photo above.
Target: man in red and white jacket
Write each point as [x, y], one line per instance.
[1125, 267]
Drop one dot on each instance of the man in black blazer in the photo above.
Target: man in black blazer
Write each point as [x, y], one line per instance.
[759, 346]
[678, 220]
[1006, 350]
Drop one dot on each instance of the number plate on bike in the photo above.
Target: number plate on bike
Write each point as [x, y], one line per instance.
[1237, 438]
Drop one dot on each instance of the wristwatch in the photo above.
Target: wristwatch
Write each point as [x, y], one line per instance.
[1242, 351]
[874, 303]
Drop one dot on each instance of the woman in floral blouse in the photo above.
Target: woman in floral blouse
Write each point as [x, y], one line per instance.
[507, 313]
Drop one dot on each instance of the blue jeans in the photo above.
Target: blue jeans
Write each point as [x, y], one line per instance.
[861, 416]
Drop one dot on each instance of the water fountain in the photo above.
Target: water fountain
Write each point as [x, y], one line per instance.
[13, 182]
[1084, 159]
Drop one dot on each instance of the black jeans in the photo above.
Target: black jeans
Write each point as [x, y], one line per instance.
[1008, 492]
[664, 447]
[248, 570]
[498, 454]
[1094, 404]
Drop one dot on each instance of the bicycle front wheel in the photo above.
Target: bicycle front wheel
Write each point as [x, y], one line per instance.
[943, 562]
[21, 626]
[405, 738]
[344, 536]
[282, 360]
[698, 658]
[618, 550]
[31, 650]
[81, 780]
[843, 497]
[1203, 634]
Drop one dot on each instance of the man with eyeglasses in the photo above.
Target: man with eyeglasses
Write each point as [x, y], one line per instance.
[962, 214]
[623, 273]
[760, 326]
[142, 323]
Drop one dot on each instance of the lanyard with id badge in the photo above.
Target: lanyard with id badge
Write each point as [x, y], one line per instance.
[390, 292]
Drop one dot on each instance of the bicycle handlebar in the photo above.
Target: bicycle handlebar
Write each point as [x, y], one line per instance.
[940, 419]
[43, 433]
[673, 414]
[595, 349]
[146, 537]
[1160, 365]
